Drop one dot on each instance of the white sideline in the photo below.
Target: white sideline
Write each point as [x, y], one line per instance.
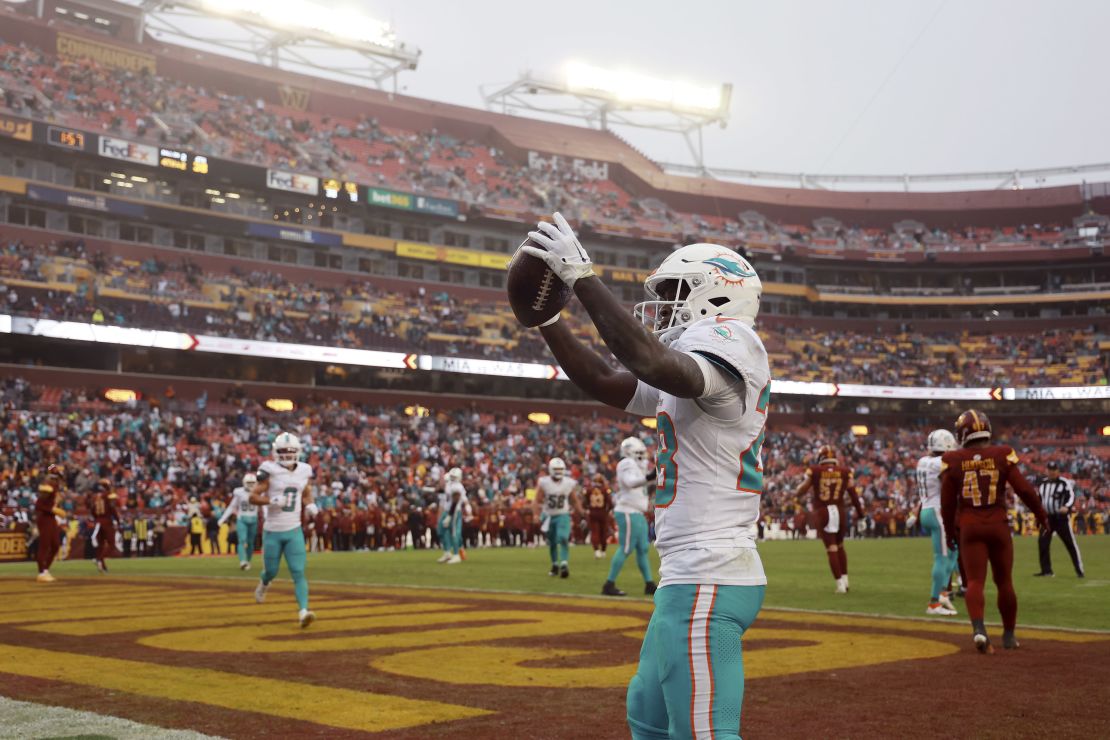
[23, 719]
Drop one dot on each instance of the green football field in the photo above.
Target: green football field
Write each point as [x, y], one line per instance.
[888, 577]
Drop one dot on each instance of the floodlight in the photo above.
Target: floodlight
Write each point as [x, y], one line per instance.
[632, 87]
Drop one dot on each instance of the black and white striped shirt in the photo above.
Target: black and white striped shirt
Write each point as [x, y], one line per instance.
[1057, 496]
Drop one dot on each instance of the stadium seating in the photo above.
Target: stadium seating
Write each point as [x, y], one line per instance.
[161, 456]
[62, 281]
[141, 106]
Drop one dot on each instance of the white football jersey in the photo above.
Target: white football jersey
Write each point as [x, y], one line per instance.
[462, 509]
[631, 496]
[556, 494]
[928, 481]
[241, 500]
[709, 464]
[286, 489]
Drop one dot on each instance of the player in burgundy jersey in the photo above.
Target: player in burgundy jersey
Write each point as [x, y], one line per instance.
[46, 509]
[599, 503]
[103, 509]
[831, 484]
[973, 482]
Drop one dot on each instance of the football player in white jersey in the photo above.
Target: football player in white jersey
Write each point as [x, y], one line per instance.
[246, 519]
[284, 488]
[556, 494]
[453, 509]
[694, 362]
[928, 491]
[634, 473]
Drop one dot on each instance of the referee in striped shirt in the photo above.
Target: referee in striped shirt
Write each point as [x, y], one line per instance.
[1058, 497]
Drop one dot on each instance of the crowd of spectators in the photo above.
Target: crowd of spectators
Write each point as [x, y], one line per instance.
[64, 281]
[218, 123]
[378, 469]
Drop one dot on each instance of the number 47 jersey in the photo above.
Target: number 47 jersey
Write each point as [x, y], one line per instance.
[710, 468]
[286, 489]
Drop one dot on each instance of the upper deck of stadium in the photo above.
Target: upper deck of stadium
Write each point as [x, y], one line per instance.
[180, 96]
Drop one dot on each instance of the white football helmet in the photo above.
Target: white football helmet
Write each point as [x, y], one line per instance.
[287, 449]
[249, 480]
[696, 282]
[557, 468]
[455, 475]
[634, 448]
[941, 440]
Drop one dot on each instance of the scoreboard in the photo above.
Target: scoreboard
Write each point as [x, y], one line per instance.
[66, 138]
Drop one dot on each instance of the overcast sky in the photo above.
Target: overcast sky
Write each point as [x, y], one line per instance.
[870, 86]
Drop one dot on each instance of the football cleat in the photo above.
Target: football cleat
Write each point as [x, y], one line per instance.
[845, 579]
[610, 589]
[841, 588]
[260, 591]
[306, 618]
[45, 577]
[938, 609]
[564, 571]
[945, 601]
[1044, 574]
[444, 557]
[454, 560]
[599, 554]
[554, 570]
[983, 643]
[244, 565]
[650, 588]
[1009, 641]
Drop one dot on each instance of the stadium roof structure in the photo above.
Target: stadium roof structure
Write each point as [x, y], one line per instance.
[955, 181]
[327, 41]
[602, 97]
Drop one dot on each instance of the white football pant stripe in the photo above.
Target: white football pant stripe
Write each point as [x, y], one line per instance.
[701, 664]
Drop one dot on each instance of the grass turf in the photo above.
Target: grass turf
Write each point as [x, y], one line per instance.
[889, 577]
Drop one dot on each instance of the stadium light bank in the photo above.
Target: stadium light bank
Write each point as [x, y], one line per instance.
[294, 34]
[601, 97]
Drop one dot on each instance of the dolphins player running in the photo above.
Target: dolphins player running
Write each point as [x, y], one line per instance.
[246, 519]
[631, 506]
[284, 488]
[702, 372]
[555, 498]
[939, 442]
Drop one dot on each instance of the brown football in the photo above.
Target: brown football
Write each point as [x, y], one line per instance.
[535, 292]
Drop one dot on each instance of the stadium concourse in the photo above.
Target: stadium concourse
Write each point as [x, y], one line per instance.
[213, 271]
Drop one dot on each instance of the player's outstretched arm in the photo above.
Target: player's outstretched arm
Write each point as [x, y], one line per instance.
[633, 345]
[587, 369]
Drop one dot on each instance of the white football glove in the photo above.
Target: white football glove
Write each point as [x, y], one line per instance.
[911, 520]
[562, 251]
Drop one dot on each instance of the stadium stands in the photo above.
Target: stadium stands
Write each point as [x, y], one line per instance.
[141, 106]
[166, 458]
[63, 281]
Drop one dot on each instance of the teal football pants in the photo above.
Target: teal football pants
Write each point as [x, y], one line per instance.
[558, 538]
[690, 681]
[450, 533]
[289, 543]
[246, 530]
[632, 536]
[944, 560]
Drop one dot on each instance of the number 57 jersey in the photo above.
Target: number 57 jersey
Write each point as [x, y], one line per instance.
[286, 490]
[710, 468]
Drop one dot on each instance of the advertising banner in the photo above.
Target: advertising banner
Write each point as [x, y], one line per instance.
[292, 182]
[128, 151]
